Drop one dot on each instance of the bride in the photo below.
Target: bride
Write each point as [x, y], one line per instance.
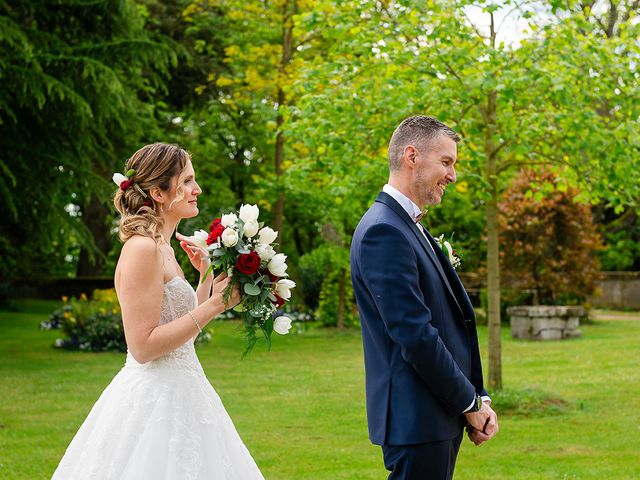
[160, 418]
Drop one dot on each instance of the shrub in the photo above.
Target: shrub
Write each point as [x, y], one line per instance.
[326, 285]
[93, 325]
[548, 240]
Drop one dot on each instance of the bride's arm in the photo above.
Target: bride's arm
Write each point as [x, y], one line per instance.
[204, 290]
[140, 290]
[199, 258]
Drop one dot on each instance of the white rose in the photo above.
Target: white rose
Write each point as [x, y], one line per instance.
[229, 237]
[229, 220]
[282, 325]
[249, 213]
[265, 252]
[250, 229]
[267, 235]
[199, 238]
[283, 288]
[277, 266]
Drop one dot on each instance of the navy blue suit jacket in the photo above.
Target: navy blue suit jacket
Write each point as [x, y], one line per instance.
[421, 353]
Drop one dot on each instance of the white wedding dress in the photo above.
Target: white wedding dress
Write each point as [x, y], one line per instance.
[161, 420]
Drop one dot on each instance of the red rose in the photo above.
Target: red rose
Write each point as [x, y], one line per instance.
[124, 185]
[248, 263]
[215, 223]
[279, 300]
[215, 234]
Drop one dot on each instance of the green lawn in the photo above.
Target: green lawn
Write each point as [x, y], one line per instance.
[300, 408]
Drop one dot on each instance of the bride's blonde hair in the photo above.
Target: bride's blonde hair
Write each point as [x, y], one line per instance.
[155, 165]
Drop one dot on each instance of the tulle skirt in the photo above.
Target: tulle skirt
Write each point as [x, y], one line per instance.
[158, 421]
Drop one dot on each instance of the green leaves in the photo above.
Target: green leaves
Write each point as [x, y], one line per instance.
[251, 289]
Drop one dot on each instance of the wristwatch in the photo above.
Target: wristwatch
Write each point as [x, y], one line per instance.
[477, 405]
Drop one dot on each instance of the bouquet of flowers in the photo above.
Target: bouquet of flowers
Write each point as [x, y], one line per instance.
[449, 252]
[243, 247]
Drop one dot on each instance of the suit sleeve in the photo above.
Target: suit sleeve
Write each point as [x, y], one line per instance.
[388, 266]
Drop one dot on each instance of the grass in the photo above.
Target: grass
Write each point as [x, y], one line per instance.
[570, 409]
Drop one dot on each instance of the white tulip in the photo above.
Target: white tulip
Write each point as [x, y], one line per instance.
[267, 235]
[229, 237]
[118, 178]
[277, 266]
[282, 325]
[229, 220]
[265, 252]
[449, 248]
[283, 288]
[250, 229]
[199, 238]
[249, 213]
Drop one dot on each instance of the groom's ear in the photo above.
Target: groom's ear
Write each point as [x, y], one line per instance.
[409, 155]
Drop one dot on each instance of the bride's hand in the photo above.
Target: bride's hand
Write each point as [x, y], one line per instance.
[198, 256]
[220, 284]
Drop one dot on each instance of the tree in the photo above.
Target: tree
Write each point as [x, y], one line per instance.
[248, 94]
[516, 106]
[75, 79]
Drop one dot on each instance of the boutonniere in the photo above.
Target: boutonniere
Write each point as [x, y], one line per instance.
[449, 252]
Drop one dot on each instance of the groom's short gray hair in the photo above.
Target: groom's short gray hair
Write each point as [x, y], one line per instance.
[417, 131]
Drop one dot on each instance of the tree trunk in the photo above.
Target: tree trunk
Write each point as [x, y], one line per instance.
[493, 253]
[493, 286]
[341, 297]
[94, 216]
[288, 10]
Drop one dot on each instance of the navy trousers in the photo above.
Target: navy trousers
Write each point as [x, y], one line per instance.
[425, 461]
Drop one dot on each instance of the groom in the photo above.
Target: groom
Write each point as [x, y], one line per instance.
[422, 363]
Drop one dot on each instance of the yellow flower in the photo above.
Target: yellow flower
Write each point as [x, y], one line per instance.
[83, 297]
[462, 186]
[65, 299]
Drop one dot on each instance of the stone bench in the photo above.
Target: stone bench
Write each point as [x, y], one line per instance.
[543, 322]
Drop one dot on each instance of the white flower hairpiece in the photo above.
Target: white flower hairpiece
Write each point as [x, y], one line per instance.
[124, 181]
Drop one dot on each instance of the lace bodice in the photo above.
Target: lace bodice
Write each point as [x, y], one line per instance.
[179, 297]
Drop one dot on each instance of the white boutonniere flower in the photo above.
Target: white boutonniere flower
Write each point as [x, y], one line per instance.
[449, 252]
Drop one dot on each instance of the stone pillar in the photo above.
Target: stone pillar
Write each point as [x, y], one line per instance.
[544, 322]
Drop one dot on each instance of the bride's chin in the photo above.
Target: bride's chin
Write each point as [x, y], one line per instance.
[193, 213]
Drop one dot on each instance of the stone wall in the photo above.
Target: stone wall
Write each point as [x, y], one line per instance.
[619, 290]
[616, 290]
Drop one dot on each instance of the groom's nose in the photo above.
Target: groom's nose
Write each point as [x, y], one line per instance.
[451, 174]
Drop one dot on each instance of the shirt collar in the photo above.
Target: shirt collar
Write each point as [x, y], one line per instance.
[405, 202]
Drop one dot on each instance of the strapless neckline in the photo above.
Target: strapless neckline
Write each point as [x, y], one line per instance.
[177, 277]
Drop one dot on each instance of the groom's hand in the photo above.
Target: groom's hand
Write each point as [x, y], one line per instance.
[483, 425]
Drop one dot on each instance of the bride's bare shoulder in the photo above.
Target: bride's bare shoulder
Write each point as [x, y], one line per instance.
[139, 244]
[139, 251]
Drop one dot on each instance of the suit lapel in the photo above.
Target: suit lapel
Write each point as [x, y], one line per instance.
[456, 284]
[395, 206]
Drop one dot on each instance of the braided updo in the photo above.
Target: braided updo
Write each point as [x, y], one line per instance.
[155, 165]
